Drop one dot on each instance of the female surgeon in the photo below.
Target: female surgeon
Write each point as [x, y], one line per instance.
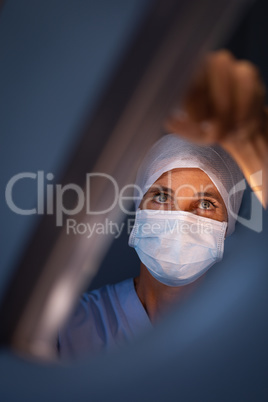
[189, 200]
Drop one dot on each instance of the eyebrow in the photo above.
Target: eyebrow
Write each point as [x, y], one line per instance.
[160, 188]
[209, 195]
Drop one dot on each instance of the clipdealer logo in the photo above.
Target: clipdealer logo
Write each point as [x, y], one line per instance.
[47, 191]
[50, 201]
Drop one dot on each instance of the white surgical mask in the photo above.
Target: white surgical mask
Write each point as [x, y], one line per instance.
[177, 247]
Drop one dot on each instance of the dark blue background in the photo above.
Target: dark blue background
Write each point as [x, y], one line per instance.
[56, 57]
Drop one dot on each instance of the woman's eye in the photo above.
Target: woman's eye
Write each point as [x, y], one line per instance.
[161, 197]
[205, 204]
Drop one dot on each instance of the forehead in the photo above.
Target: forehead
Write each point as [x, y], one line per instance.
[187, 182]
[194, 177]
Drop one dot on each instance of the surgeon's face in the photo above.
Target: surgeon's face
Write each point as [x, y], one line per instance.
[186, 189]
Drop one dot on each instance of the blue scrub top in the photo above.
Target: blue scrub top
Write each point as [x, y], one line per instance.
[103, 319]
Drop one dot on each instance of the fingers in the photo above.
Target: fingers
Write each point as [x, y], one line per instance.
[210, 97]
[220, 87]
[225, 94]
[248, 92]
[197, 104]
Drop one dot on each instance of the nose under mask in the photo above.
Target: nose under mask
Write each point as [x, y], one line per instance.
[177, 247]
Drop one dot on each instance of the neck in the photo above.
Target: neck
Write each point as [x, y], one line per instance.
[156, 297]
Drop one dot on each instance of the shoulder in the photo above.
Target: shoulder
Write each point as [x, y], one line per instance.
[103, 304]
[108, 296]
[99, 320]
